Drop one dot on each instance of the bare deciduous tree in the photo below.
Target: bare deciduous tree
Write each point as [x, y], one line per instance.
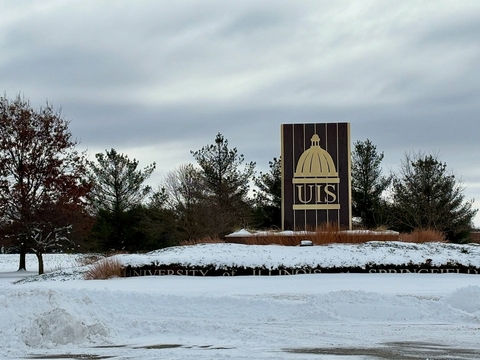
[40, 170]
[185, 196]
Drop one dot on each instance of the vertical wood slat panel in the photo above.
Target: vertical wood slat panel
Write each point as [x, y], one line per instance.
[334, 138]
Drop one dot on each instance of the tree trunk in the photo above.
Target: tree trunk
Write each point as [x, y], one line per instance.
[40, 262]
[22, 266]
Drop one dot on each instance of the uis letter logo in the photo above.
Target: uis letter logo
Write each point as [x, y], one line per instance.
[315, 179]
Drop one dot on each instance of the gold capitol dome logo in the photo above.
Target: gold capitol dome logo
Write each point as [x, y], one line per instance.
[315, 178]
[315, 163]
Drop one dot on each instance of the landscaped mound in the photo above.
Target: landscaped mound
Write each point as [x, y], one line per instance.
[371, 257]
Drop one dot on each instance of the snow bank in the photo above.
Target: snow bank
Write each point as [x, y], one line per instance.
[178, 317]
[59, 327]
[466, 299]
[235, 318]
[329, 256]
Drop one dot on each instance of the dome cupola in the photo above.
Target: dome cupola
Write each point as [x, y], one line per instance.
[315, 162]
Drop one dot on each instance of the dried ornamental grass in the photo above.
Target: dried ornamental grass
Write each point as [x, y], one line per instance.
[271, 238]
[423, 235]
[104, 269]
[328, 233]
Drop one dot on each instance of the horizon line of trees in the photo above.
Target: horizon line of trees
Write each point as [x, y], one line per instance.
[52, 198]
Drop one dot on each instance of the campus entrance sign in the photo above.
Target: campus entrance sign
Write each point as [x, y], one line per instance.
[316, 175]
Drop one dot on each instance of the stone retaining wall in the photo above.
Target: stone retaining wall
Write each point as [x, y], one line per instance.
[178, 270]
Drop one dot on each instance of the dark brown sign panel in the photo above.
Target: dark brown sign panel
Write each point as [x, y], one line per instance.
[315, 175]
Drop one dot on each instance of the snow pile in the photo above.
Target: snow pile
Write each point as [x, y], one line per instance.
[329, 256]
[59, 327]
[240, 233]
[40, 317]
[465, 299]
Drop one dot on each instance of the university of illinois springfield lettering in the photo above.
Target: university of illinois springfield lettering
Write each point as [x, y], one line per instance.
[316, 180]
[204, 272]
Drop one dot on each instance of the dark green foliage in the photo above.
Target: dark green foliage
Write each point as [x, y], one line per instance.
[225, 186]
[117, 231]
[117, 196]
[428, 196]
[268, 197]
[118, 184]
[158, 223]
[368, 185]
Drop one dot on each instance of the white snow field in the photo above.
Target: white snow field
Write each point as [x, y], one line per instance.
[310, 316]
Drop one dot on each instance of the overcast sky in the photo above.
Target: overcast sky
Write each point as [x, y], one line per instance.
[156, 79]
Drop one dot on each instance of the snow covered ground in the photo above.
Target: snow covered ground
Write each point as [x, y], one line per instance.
[328, 256]
[314, 316]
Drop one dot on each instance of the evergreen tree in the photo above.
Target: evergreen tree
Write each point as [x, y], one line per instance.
[268, 196]
[117, 193]
[159, 222]
[428, 196]
[226, 185]
[368, 184]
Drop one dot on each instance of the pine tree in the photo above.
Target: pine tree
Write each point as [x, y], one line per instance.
[368, 184]
[158, 222]
[427, 195]
[268, 196]
[118, 189]
[226, 185]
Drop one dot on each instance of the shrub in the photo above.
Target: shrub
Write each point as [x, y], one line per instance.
[104, 269]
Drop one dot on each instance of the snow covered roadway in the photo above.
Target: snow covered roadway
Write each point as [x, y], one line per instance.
[317, 316]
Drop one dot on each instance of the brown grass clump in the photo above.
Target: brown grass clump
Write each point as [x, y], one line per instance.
[271, 238]
[422, 236]
[204, 240]
[327, 233]
[363, 236]
[104, 269]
